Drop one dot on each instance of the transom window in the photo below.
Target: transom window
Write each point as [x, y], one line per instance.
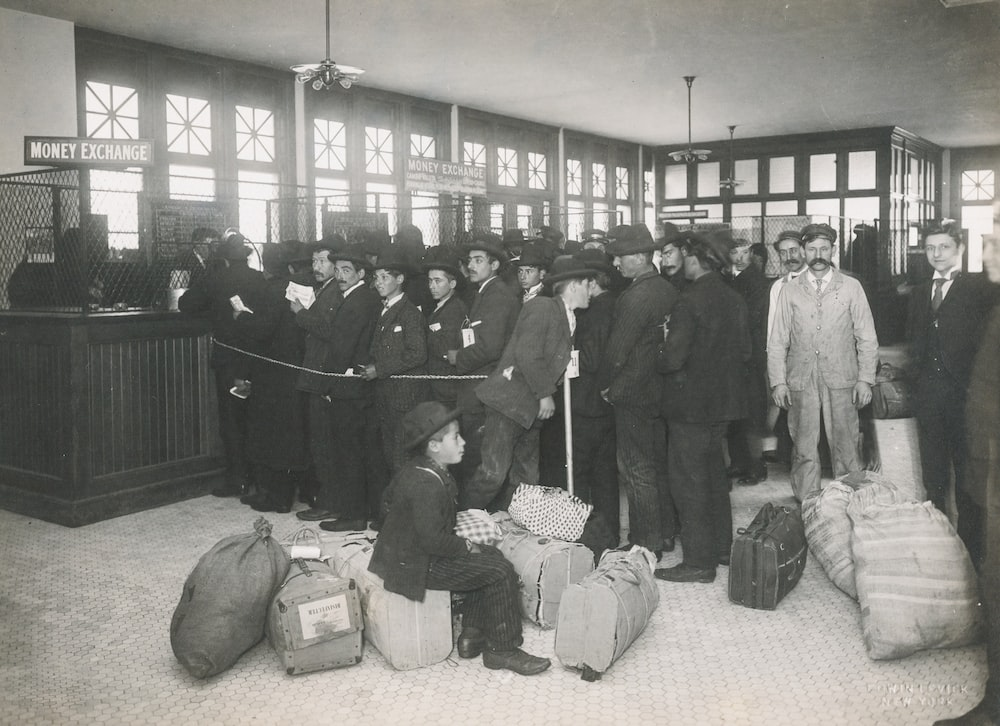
[621, 182]
[112, 112]
[189, 125]
[254, 134]
[506, 167]
[422, 146]
[536, 171]
[378, 150]
[599, 177]
[574, 177]
[329, 144]
[978, 185]
[474, 153]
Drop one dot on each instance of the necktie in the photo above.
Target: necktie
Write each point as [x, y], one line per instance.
[938, 293]
[819, 285]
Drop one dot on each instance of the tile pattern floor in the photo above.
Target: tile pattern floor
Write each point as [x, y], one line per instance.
[84, 618]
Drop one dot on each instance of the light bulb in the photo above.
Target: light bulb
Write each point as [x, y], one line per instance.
[317, 84]
[345, 82]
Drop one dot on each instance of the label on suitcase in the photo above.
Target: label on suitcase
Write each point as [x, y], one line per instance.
[767, 558]
[545, 566]
[407, 633]
[314, 622]
[603, 614]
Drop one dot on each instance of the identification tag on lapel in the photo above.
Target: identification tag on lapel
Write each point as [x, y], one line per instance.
[573, 367]
[435, 327]
[468, 337]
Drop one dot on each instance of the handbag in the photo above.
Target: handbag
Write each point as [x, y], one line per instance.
[477, 526]
[549, 512]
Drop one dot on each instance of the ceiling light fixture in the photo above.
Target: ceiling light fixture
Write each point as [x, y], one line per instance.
[326, 74]
[731, 182]
[689, 155]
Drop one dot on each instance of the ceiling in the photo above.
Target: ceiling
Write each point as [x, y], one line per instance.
[615, 67]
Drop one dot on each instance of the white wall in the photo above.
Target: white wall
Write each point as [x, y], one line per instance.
[37, 83]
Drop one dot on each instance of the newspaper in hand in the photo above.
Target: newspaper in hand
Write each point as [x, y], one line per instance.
[238, 307]
[304, 295]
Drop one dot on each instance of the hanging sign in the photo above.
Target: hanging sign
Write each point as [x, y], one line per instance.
[64, 150]
[445, 177]
[684, 214]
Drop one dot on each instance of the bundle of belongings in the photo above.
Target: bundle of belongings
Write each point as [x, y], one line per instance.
[901, 559]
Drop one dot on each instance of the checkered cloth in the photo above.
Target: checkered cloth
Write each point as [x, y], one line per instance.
[477, 526]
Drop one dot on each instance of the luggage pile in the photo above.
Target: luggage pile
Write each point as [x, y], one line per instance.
[901, 559]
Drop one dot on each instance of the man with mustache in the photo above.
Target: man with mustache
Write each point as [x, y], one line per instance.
[821, 359]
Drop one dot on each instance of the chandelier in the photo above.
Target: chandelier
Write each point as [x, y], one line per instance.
[326, 74]
[689, 155]
[732, 182]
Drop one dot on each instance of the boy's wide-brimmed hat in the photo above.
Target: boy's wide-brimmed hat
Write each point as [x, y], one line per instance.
[424, 420]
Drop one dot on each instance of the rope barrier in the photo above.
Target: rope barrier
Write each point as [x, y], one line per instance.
[421, 376]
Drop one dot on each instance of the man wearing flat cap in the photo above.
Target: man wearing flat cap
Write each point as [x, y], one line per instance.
[821, 358]
[704, 361]
[518, 394]
[632, 386]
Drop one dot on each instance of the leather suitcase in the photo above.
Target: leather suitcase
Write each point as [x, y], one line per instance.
[545, 566]
[408, 634]
[767, 558]
[314, 622]
[603, 614]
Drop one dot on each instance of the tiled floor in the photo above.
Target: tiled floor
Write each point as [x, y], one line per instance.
[84, 617]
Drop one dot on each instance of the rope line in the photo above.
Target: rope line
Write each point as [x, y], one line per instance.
[422, 376]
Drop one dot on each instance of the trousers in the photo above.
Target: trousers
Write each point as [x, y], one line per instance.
[361, 469]
[642, 473]
[491, 590]
[840, 419]
[595, 465]
[232, 427]
[508, 451]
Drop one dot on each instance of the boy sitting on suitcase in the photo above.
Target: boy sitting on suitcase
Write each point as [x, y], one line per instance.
[417, 548]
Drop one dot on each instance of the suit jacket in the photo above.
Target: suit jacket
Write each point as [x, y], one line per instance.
[399, 345]
[982, 414]
[492, 318]
[959, 323]
[317, 321]
[629, 369]
[829, 337]
[705, 354]
[418, 526]
[593, 330]
[351, 336]
[532, 363]
[753, 287]
[444, 333]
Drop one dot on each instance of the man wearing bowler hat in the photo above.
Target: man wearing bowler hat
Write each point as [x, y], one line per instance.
[821, 358]
[518, 394]
[631, 384]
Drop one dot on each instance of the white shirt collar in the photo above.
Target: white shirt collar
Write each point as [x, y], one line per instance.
[389, 302]
[947, 275]
[354, 287]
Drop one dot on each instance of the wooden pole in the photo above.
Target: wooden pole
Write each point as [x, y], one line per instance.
[568, 425]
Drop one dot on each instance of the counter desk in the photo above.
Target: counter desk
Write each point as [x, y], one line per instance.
[104, 414]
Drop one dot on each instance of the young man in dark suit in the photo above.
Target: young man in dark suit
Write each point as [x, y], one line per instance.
[445, 315]
[704, 358]
[946, 319]
[518, 395]
[399, 347]
[417, 549]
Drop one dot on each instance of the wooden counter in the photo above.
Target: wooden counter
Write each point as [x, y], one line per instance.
[104, 414]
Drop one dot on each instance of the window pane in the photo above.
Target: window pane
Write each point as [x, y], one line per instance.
[823, 207]
[978, 185]
[864, 209]
[331, 194]
[422, 146]
[424, 215]
[624, 214]
[537, 178]
[116, 195]
[524, 214]
[978, 219]
[601, 219]
[191, 182]
[675, 181]
[496, 217]
[599, 179]
[255, 188]
[329, 145]
[861, 170]
[112, 112]
[189, 125]
[782, 209]
[506, 167]
[708, 179]
[381, 198]
[574, 177]
[746, 172]
[746, 209]
[648, 179]
[378, 150]
[254, 134]
[823, 172]
[782, 175]
[621, 182]
[714, 213]
[474, 154]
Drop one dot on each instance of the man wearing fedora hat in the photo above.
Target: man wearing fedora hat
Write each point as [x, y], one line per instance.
[228, 280]
[399, 347]
[518, 394]
[417, 548]
[821, 358]
[445, 315]
[631, 385]
[704, 361]
[531, 268]
[491, 320]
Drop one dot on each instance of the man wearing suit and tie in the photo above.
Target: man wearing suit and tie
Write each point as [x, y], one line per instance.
[518, 395]
[946, 319]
